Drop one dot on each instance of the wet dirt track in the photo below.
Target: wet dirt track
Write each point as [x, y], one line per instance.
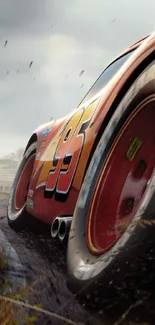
[44, 261]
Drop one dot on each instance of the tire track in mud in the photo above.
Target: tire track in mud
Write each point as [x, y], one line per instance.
[39, 263]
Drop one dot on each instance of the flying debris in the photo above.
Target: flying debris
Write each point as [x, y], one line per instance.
[82, 85]
[81, 73]
[30, 65]
[6, 42]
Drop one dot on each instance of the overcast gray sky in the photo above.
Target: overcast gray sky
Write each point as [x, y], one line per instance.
[61, 37]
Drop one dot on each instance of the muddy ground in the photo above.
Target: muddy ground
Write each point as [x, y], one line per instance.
[44, 261]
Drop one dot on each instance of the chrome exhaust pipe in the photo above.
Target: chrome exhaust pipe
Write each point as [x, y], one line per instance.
[64, 228]
[55, 227]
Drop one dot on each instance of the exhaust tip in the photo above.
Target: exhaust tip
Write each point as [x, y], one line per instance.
[64, 228]
[62, 231]
[55, 228]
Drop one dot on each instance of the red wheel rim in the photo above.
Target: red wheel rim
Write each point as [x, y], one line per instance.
[123, 179]
[23, 184]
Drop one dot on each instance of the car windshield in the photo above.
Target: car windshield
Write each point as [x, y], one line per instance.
[106, 76]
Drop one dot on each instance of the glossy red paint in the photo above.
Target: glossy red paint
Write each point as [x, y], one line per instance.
[63, 151]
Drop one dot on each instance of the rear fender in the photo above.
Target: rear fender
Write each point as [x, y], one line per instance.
[42, 136]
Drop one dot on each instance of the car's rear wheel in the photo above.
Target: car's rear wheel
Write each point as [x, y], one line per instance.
[117, 198]
[17, 215]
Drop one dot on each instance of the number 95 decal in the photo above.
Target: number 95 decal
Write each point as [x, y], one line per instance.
[67, 155]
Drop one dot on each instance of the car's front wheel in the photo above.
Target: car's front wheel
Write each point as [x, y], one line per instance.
[17, 215]
[114, 216]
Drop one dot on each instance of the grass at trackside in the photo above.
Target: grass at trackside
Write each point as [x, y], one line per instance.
[10, 314]
[14, 308]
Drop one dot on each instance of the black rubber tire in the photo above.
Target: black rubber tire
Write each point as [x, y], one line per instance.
[19, 219]
[89, 275]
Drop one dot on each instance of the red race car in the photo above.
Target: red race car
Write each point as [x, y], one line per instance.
[90, 175]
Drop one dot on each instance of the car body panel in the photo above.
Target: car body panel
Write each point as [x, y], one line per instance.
[64, 146]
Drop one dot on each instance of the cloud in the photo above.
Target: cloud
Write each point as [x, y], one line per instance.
[62, 38]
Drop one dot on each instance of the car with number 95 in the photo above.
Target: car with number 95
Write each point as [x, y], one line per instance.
[90, 175]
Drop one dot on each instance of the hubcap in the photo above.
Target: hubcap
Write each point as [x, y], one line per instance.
[123, 179]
